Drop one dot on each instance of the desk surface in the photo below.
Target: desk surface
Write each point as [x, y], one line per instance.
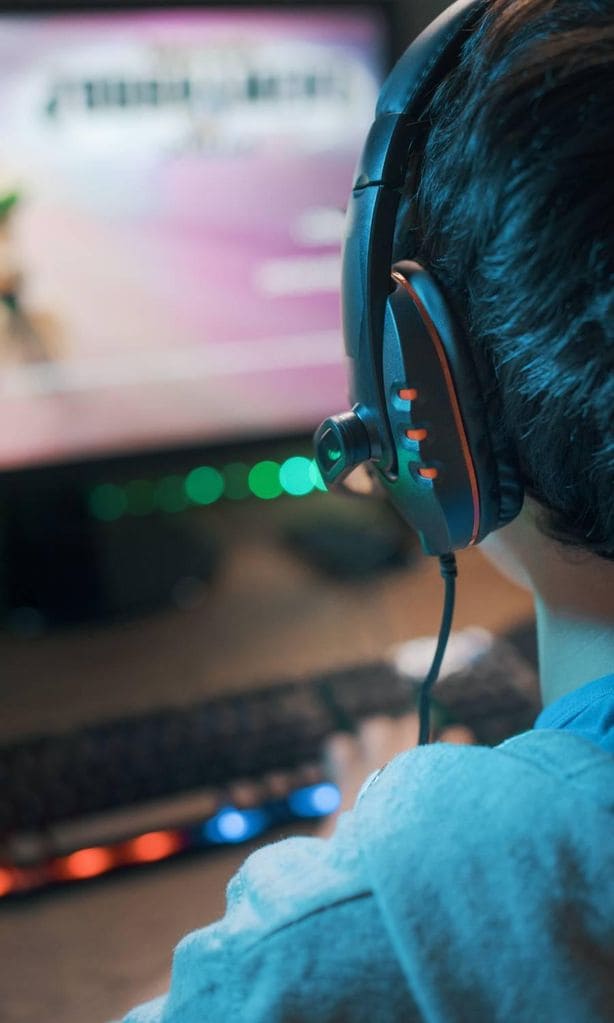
[90, 953]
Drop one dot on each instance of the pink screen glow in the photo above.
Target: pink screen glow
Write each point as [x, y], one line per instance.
[170, 259]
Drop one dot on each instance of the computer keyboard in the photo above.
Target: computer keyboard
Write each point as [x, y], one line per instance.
[255, 757]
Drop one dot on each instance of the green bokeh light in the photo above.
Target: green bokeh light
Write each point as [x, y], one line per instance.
[295, 476]
[140, 497]
[235, 480]
[316, 476]
[263, 480]
[204, 485]
[107, 502]
[170, 494]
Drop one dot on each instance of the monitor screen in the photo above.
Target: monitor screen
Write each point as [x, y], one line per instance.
[172, 187]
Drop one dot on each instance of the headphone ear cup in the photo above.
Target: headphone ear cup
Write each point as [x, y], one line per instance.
[457, 480]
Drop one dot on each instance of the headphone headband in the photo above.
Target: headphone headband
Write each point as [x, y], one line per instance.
[428, 60]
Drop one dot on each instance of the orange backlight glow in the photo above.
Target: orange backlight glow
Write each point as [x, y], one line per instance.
[416, 434]
[428, 474]
[408, 394]
[6, 881]
[86, 863]
[156, 845]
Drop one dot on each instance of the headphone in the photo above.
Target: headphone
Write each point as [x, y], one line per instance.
[423, 421]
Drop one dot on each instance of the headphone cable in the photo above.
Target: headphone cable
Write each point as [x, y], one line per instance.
[448, 570]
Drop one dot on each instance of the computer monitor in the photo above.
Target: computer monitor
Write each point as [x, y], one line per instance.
[172, 188]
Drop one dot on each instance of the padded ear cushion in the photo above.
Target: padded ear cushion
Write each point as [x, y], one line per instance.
[492, 459]
[507, 483]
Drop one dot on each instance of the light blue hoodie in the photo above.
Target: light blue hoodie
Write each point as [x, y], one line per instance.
[468, 884]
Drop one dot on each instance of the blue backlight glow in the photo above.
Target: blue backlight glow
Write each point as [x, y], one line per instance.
[315, 800]
[233, 825]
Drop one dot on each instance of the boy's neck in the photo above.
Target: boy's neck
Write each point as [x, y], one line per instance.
[573, 649]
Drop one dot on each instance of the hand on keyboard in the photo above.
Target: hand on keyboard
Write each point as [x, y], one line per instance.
[350, 759]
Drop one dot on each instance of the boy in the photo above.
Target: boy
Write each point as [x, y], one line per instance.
[470, 883]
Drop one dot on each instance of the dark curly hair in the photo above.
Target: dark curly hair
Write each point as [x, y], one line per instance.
[515, 216]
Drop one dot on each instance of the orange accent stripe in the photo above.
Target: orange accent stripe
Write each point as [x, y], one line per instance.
[416, 434]
[428, 474]
[408, 394]
[458, 419]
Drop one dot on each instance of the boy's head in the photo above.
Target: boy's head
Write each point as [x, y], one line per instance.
[515, 216]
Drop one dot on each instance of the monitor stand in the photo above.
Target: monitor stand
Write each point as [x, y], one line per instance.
[60, 567]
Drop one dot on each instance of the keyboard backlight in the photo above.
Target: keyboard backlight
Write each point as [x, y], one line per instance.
[233, 825]
[156, 845]
[315, 800]
[6, 881]
[86, 863]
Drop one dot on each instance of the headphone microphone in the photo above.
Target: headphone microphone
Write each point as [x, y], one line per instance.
[422, 423]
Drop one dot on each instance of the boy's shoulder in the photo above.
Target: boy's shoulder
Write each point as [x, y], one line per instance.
[486, 863]
[476, 793]
[503, 836]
